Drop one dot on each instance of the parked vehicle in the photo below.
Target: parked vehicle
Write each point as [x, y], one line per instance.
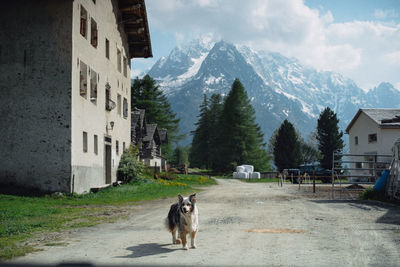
[293, 175]
[320, 173]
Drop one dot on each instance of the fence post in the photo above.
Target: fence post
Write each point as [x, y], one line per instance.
[313, 189]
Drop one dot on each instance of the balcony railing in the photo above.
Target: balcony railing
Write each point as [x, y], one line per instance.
[110, 105]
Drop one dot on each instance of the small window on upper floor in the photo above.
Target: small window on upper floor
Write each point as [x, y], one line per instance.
[93, 85]
[356, 140]
[84, 140]
[117, 147]
[123, 147]
[119, 60]
[107, 49]
[84, 16]
[125, 62]
[83, 79]
[119, 104]
[372, 138]
[93, 32]
[125, 107]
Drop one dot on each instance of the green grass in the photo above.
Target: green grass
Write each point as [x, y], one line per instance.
[23, 218]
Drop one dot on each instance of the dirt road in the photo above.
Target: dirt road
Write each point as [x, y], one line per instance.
[244, 224]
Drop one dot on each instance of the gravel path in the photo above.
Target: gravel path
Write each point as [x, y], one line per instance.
[244, 224]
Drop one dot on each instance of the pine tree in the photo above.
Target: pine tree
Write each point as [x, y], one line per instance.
[287, 147]
[200, 152]
[147, 95]
[240, 138]
[328, 136]
[180, 156]
[215, 111]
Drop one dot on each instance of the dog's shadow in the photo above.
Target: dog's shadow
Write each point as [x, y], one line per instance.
[149, 249]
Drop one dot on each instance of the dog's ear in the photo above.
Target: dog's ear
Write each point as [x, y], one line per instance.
[192, 198]
[180, 198]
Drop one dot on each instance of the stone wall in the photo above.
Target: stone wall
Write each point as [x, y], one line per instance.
[35, 86]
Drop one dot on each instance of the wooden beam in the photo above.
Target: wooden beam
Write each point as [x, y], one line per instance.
[130, 8]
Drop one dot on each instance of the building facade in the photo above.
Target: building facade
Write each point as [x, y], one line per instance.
[65, 78]
[373, 132]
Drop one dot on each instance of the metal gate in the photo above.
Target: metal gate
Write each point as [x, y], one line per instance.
[356, 170]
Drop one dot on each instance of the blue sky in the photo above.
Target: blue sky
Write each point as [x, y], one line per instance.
[357, 38]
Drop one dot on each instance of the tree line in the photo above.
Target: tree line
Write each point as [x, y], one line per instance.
[227, 135]
[290, 150]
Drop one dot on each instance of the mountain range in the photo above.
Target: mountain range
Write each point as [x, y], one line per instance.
[279, 87]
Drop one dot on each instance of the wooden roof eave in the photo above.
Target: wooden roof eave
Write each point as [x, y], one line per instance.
[134, 18]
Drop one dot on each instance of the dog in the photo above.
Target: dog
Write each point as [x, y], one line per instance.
[183, 217]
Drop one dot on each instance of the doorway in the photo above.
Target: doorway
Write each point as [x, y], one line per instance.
[107, 163]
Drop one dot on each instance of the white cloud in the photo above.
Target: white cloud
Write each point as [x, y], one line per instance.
[393, 58]
[384, 14]
[364, 51]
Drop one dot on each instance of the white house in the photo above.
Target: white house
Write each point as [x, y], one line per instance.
[65, 83]
[373, 132]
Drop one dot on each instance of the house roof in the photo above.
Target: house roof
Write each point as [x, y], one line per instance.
[384, 118]
[134, 19]
[137, 117]
[151, 129]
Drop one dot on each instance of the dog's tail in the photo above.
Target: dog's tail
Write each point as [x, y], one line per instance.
[167, 224]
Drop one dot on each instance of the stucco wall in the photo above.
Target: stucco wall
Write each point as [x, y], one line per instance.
[383, 146]
[362, 128]
[91, 116]
[35, 85]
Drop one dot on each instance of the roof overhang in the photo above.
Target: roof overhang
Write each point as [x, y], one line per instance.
[134, 20]
[353, 121]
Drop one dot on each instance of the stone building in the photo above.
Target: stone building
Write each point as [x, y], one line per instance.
[65, 83]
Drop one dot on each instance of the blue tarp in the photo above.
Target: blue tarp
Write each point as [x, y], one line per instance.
[381, 182]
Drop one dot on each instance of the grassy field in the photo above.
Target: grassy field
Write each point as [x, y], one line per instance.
[26, 218]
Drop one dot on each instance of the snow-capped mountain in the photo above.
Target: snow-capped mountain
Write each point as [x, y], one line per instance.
[279, 87]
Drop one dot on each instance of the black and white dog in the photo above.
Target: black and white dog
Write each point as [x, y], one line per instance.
[184, 218]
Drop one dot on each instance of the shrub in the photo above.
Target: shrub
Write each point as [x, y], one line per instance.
[167, 175]
[130, 168]
[371, 194]
[174, 170]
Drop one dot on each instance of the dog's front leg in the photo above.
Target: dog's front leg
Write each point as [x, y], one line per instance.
[173, 236]
[193, 239]
[183, 238]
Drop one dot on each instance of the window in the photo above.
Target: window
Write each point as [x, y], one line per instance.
[85, 144]
[125, 108]
[110, 105]
[358, 165]
[119, 104]
[125, 67]
[117, 147]
[356, 140]
[95, 145]
[123, 147]
[83, 79]
[93, 85]
[83, 21]
[119, 60]
[372, 138]
[93, 32]
[107, 49]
